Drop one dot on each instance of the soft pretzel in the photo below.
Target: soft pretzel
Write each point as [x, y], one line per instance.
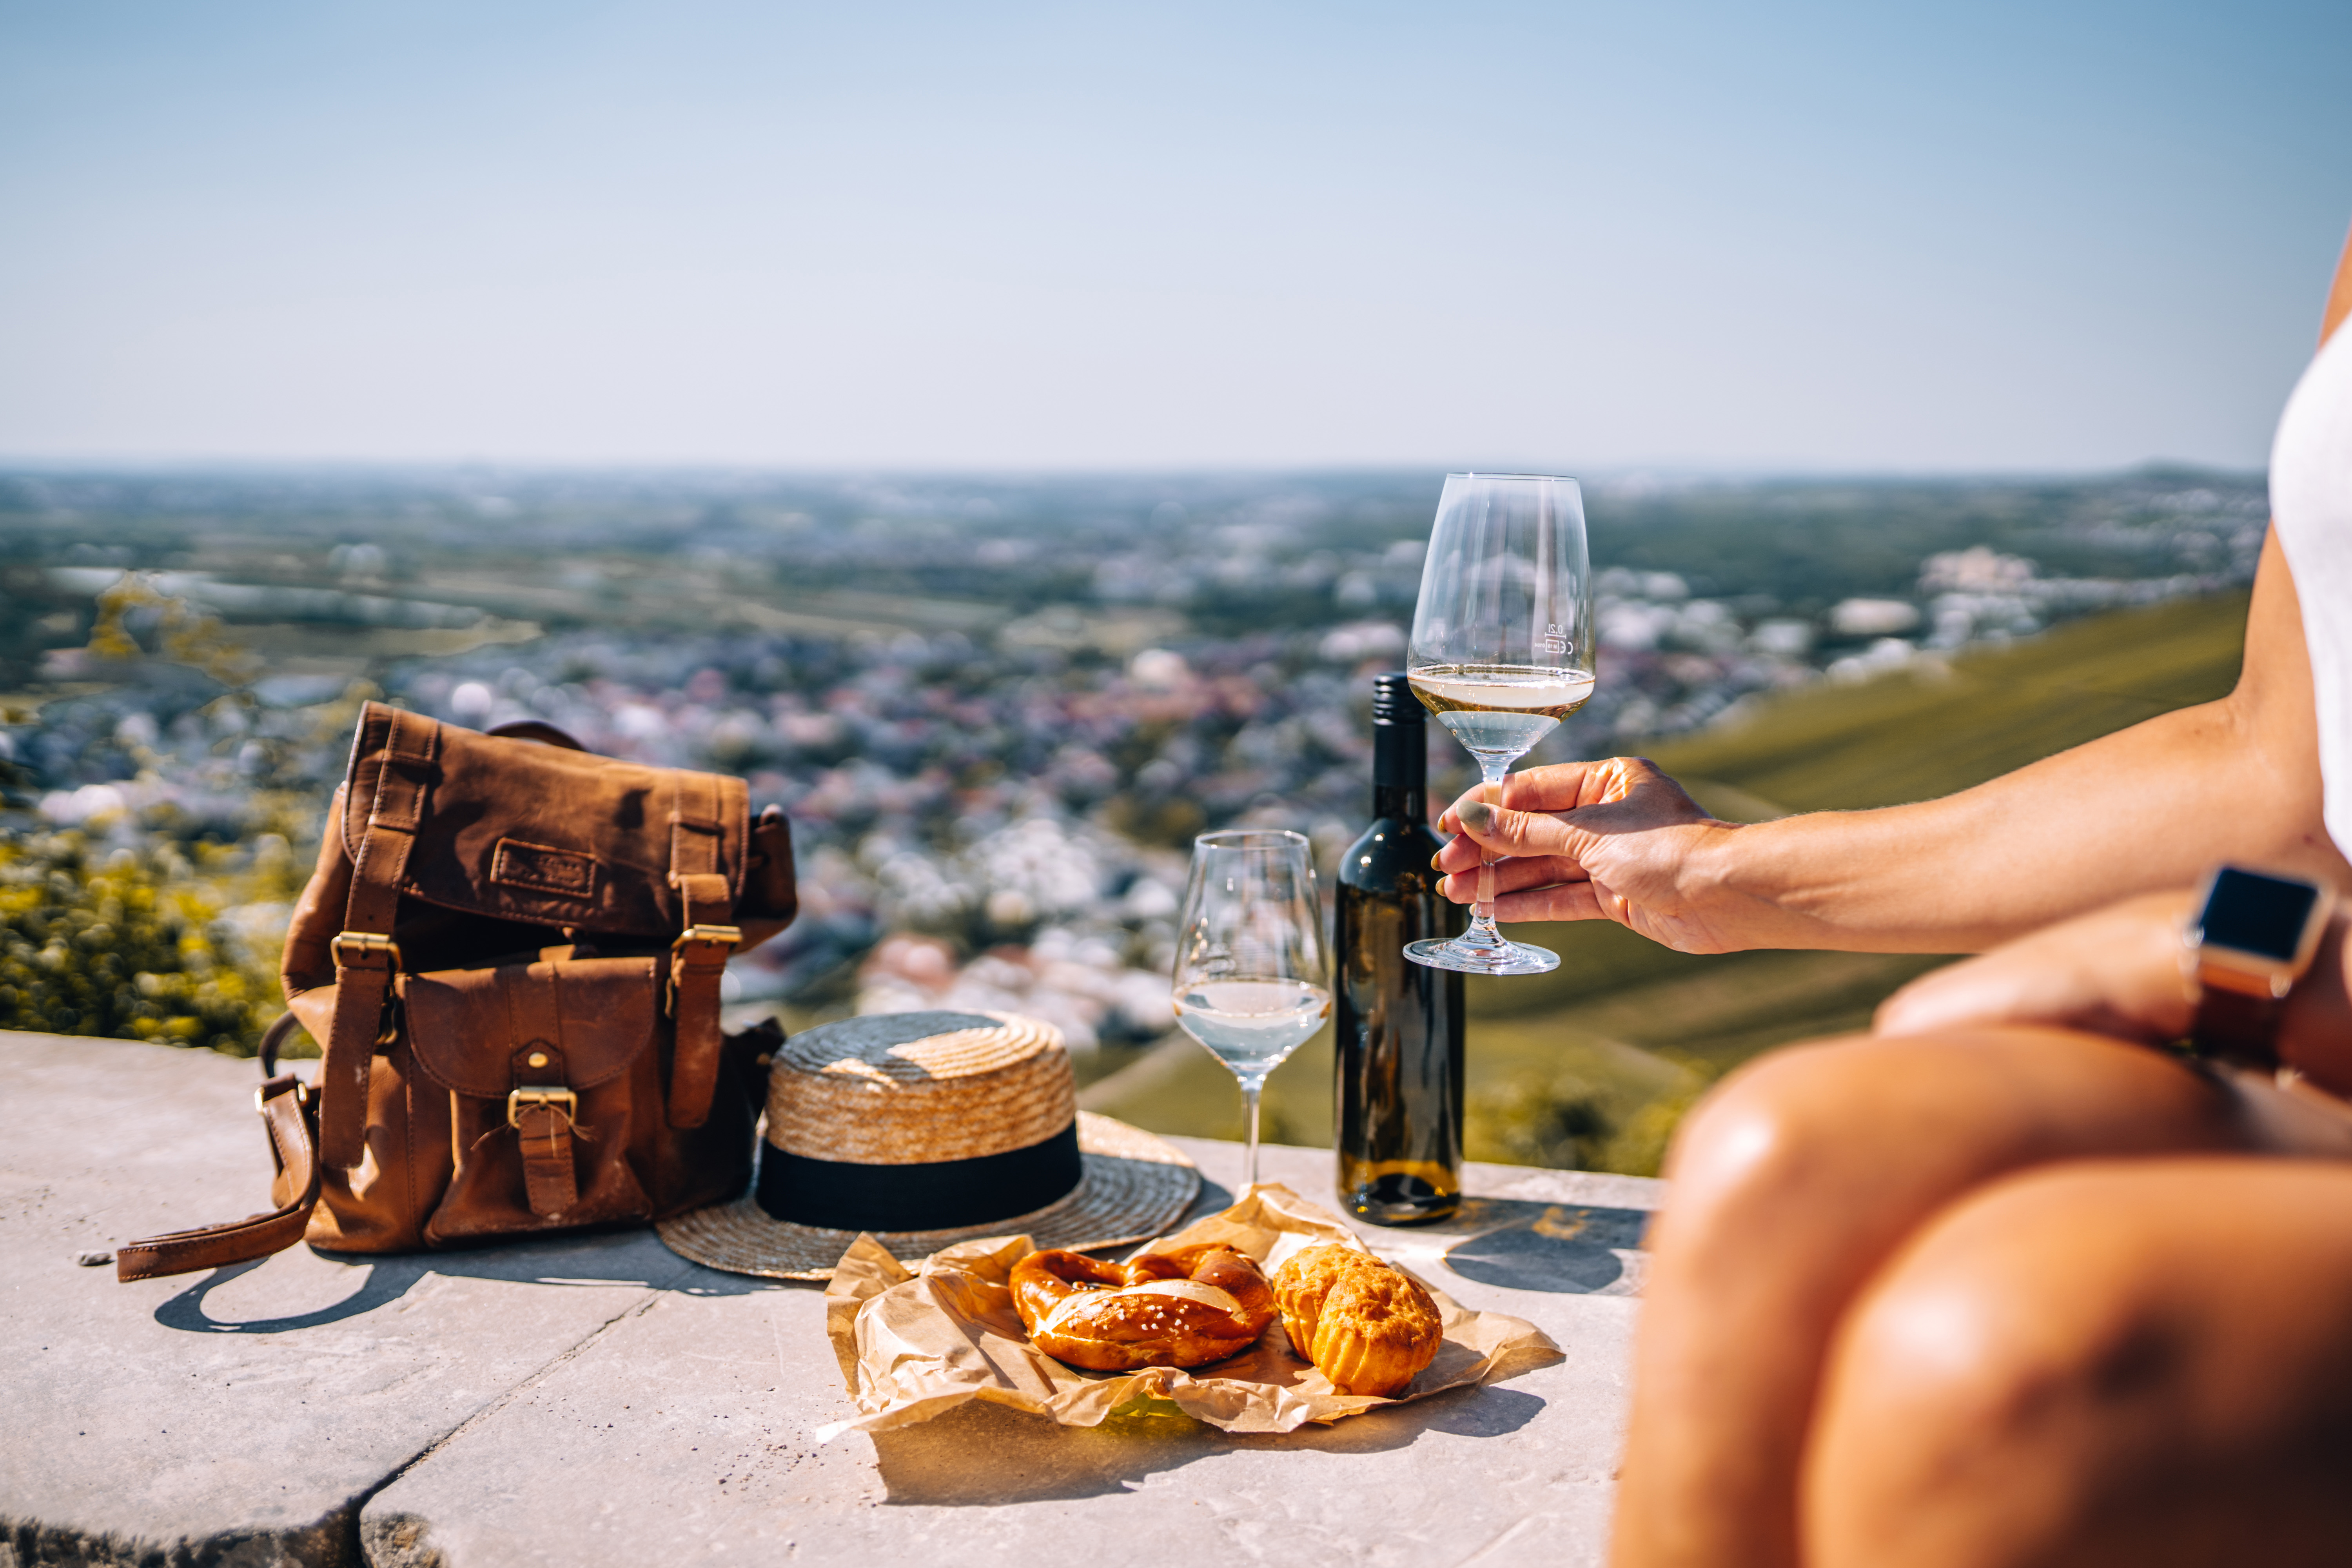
[1186, 1307]
[1367, 1325]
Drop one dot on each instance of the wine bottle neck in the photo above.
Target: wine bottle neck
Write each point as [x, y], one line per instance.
[1401, 772]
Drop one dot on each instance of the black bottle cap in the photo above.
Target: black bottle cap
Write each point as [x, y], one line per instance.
[1393, 701]
[1400, 749]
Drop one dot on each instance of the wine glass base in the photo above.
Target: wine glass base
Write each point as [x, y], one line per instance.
[1509, 958]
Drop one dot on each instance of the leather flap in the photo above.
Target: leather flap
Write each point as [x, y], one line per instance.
[466, 1025]
[525, 832]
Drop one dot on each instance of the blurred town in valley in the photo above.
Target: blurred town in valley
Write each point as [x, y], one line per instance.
[996, 709]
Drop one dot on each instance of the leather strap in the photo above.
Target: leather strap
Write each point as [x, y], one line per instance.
[273, 1040]
[539, 730]
[2237, 1026]
[549, 1179]
[364, 971]
[544, 1126]
[288, 1113]
[698, 958]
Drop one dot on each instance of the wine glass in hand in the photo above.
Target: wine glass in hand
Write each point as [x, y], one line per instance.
[1252, 983]
[1501, 652]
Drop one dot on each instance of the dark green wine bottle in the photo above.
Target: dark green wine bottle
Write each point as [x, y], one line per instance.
[1398, 1065]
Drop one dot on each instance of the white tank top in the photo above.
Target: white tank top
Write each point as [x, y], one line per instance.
[2310, 501]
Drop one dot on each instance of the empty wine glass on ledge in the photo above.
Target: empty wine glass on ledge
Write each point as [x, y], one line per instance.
[1252, 983]
[1501, 652]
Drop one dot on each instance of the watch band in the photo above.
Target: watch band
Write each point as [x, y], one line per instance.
[2237, 1026]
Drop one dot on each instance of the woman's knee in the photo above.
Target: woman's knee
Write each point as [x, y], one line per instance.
[1973, 1373]
[1821, 1133]
[1810, 1132]
[1770, 1114]
[2029, 1377]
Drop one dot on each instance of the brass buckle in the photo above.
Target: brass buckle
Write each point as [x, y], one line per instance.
[542, 1094]
[261, 1100]
[728, 936]
[364, 943]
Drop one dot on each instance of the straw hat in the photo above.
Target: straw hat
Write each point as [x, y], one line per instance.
[927, 1128]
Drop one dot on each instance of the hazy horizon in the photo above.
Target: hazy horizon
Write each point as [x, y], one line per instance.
[1616, 475]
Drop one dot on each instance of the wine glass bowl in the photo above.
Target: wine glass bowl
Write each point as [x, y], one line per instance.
[1252, 980]
[1501, 652]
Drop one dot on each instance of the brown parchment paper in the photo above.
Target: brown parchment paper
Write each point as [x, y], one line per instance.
[913, 1344]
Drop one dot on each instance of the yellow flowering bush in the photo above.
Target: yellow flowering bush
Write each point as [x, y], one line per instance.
[124, 943]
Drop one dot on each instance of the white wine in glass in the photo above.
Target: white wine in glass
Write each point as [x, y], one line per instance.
[1252, 983]
[1501, 652]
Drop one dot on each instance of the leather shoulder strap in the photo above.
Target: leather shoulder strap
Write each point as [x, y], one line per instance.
[365, 956]
[698, 955]
[288, 1113]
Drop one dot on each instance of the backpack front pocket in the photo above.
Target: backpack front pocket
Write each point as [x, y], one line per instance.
[546, 1066]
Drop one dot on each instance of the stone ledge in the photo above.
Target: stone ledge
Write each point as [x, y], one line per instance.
[601, 1400]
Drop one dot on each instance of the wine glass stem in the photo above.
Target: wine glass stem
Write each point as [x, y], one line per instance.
[1483, 931]
[1250, 1089]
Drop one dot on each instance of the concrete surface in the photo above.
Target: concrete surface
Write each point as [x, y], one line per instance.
[603, 1401]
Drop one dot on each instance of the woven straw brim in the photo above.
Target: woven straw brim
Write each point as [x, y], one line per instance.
[1135, 1187]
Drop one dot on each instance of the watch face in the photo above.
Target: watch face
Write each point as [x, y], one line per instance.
[2257, 914]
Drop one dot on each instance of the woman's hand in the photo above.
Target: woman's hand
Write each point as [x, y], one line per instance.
[2115, 971]
[2118, 972]
[1610, 840]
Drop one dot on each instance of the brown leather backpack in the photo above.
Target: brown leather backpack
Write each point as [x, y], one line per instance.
[511, 950]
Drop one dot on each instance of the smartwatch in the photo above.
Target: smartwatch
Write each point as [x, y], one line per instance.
[2252, 936]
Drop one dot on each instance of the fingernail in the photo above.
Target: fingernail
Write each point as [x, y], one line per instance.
[1476, 815]
[1433, 861]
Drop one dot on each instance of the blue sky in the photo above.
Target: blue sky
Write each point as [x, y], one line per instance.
[1879, 236]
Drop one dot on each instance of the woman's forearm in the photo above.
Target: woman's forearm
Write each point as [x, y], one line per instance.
[2151, 806]
[2154, 806]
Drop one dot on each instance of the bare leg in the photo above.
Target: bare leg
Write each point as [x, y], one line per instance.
[1795, 1182]
[2141, 1363]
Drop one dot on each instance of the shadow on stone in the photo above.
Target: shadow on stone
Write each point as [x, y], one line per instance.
[1557, 1248]
[980, 1454]
[385, 1281]
[1458, 1412]
[633, 1260]
[1483, 1412]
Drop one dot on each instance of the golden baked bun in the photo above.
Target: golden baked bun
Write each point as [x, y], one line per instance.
[1366, 1325]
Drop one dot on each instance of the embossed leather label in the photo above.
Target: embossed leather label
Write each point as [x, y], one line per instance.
[543, 869]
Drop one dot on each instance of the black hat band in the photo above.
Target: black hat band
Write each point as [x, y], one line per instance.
[947, 1194]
